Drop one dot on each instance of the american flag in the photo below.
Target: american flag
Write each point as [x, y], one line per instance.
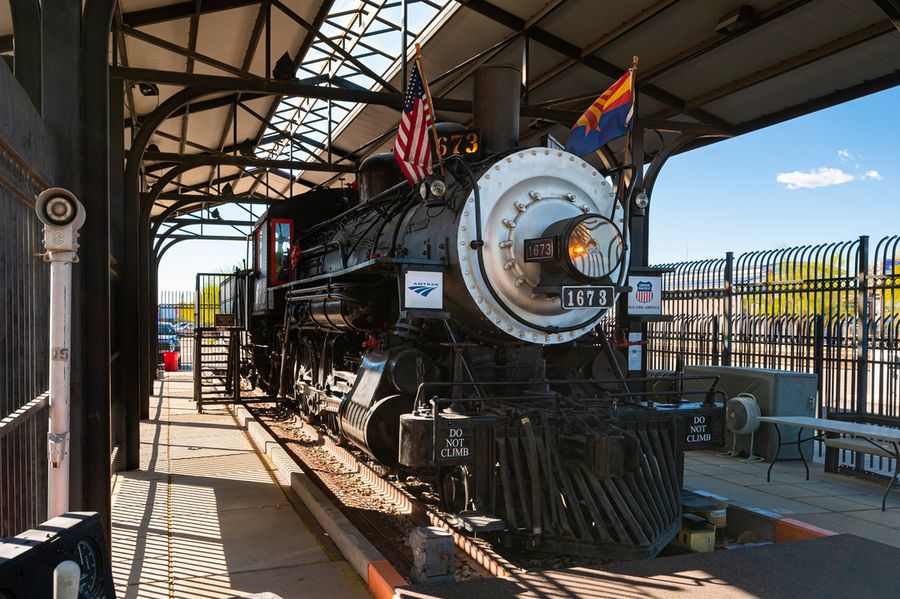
[411, 148]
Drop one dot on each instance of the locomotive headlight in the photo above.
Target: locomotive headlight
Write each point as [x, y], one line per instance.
[438, 188]
[433, 191]
[595, 246]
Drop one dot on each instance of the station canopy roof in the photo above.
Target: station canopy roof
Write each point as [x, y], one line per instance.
[725, 67]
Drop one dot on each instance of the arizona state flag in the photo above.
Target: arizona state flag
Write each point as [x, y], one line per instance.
[609, 117]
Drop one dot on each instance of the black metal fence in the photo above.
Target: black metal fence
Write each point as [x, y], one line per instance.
[208, 288]
[24, 305]
[179, 313]
[831, 309]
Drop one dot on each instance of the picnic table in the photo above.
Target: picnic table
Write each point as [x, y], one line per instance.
[867, 438]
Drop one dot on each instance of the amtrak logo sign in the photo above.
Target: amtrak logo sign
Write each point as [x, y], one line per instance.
[423, 290]
[645, 296]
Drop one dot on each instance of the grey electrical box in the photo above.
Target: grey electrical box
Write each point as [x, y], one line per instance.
[778, 392]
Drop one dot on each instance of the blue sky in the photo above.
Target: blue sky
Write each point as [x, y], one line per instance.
[727, 196]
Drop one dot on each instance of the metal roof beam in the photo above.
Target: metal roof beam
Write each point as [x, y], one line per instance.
[299, 57]
[235, 199]
[204, 237]
[243, 161]
[844, 43]
[315, 31]
[611, 36]
[186, 222]
[838, 97]
[892, 9]
[573, 52]
[281, 134]
[650, 74]
[300, 90]
[191, 54]
[189, 67]
[262, 18]
[180, 10]
[204, 105]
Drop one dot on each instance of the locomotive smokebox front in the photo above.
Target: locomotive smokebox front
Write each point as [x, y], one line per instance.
[540, 249]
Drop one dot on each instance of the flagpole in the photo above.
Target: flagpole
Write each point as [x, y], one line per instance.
[437, 147]
[627, 151]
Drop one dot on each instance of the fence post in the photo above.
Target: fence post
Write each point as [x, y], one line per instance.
[715, 340]
[862, 337]
[729, 309]
[862, 327]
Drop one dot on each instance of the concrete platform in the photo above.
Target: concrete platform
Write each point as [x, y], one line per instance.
[206, 516]
[832, 501]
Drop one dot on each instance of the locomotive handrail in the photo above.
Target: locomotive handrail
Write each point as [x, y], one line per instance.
[361, 266]
[712, 389]
[435, 401]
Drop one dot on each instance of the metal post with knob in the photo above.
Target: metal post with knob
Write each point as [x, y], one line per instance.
[62, 215]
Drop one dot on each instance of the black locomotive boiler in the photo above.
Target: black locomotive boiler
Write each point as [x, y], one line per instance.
[454, 330]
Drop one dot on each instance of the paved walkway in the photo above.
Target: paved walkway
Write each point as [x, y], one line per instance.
[833, 501]
[205, 516]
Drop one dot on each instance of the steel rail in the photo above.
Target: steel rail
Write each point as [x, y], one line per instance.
[484, 557]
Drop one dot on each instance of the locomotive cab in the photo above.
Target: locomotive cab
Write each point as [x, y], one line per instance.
[274, 241]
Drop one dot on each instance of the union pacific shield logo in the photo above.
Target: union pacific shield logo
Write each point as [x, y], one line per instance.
[644, 292]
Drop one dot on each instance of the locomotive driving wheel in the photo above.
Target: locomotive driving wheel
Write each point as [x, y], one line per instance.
[453, 484]
[302, 372]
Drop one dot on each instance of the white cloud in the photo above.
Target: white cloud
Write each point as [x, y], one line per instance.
[846, 155]
[872, 176]
[818, 177]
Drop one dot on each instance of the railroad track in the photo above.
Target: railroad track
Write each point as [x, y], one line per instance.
[303, 441]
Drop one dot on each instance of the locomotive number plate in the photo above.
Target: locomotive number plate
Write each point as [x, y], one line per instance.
[465, 143]
[583, 297]
[540, 249]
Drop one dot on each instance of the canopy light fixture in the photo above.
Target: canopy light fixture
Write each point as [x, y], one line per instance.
[284, 69]
[148, 89]
[642, 200]
[736, 20]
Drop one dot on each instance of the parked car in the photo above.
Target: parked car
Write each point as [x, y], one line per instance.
[167, 337]
[184, 328]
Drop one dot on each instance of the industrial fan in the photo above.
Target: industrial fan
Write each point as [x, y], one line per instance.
[742, 417]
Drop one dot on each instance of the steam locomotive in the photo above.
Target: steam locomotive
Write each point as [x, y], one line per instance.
[456, 330]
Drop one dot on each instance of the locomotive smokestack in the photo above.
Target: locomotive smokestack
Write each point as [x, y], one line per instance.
[496, 105]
